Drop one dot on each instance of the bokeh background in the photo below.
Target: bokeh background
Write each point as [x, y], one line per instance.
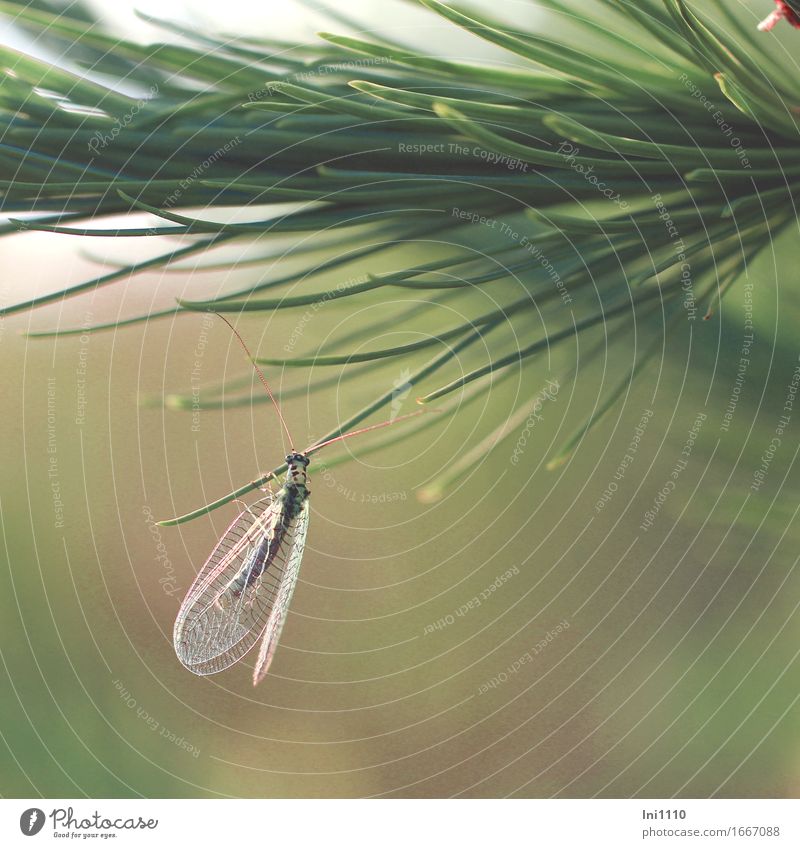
[601, 659]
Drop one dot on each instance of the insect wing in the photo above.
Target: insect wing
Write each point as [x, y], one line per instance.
[232, 598]
[283, 598]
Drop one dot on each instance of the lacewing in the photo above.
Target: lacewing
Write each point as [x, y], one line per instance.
[242, 594]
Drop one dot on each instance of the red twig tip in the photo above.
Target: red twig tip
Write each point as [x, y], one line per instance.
[785, 11]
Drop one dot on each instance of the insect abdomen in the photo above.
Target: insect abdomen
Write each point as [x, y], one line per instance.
[292, 498]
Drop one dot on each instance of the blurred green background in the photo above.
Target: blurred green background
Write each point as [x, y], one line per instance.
[600, 660]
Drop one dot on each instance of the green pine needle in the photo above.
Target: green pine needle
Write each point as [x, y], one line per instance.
[534, 188]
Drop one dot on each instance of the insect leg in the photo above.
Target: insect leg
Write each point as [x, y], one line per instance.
[261, 488]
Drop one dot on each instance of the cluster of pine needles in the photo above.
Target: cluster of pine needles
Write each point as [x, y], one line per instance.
[565, 185]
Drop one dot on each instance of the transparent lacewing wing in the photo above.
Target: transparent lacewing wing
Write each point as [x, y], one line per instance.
[242, 593]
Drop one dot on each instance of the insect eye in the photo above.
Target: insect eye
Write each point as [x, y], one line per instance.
[289, 457]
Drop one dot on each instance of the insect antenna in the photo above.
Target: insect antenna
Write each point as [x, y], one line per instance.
[361, 430]
[261, 377]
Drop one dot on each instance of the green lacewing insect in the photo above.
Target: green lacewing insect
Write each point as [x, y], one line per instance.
[242, 594]
[788, 10]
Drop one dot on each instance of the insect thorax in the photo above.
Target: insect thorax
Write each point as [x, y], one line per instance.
[296, 465]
